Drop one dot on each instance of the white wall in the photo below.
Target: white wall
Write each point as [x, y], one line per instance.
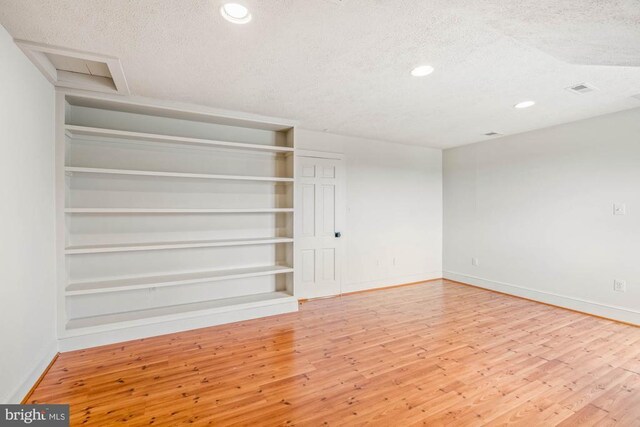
[394, 209]
[27, 276]
[536, 209]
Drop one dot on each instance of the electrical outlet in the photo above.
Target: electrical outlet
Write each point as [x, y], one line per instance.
[620, 286]
[619, 209]
[475, 261]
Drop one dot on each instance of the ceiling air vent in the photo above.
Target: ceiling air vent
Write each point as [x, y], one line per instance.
[492, 134]
[581, 88]
[76, 69]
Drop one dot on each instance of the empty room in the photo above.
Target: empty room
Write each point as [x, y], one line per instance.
[320, 212]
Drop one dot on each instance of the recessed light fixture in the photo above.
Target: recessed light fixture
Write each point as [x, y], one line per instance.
[422, 70]
[525, 104]
[236, 13]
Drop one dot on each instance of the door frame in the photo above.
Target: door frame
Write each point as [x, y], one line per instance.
[341, 216]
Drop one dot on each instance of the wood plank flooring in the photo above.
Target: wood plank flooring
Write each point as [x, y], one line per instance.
[437, 353]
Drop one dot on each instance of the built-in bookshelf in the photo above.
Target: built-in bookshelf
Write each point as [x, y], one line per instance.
[169, 218]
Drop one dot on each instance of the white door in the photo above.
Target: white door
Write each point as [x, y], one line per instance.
[319, 218]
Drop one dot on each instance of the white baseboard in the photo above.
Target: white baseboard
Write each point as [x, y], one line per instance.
[590, 307]
[32, 376]
[77, 342]
[394, 281]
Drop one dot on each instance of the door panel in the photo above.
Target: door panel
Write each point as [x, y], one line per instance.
[328, 264]
[308, 265]
[319, 215]
[329, 172]
[328, 210]
[308, 210]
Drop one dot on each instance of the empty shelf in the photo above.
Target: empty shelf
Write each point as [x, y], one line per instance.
[72, 169]
[172, 211]
[146, 282]
[153, 246]
[75, 131]
[162, 314]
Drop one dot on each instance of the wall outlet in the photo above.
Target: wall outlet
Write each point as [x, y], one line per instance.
[620, 286]
[619, 209]
[475, 261]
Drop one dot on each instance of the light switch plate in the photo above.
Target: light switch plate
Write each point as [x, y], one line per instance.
[619, 209]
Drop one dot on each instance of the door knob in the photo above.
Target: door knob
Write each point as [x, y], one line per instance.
[337, 234]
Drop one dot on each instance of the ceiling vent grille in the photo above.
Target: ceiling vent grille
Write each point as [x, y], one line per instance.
[581, 88]
[75, 69]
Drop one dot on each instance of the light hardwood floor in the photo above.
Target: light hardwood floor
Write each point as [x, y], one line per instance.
[435, 353]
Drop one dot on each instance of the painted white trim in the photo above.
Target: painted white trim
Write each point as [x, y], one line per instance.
[32, 376]
[591, 307]
[394, 281]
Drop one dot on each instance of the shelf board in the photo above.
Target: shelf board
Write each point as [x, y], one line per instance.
[171, 211]
[153, 246]
[73, 169]
[174, 312]
[146, 282]
[73, 131]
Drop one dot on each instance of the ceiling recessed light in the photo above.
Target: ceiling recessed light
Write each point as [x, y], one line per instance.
[421, 71]
[236, 13]
[524, 104]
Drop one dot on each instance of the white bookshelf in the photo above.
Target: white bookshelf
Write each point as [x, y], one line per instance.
[169, 218]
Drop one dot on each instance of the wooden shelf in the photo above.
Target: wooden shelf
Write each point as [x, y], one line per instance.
[175, 312]
[95, 249]
[75, 131]
[146, 282]
[171, 211]
[73, 169]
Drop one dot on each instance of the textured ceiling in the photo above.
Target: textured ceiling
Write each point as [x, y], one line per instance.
[345, 67]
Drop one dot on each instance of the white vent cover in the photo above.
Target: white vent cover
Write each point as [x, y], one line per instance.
[581, 88]
[76, 69]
